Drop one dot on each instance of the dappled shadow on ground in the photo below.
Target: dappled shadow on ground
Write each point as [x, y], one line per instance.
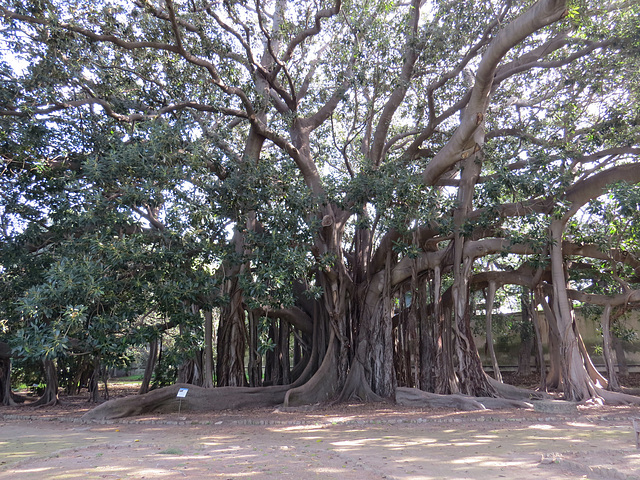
[406, 451]
[346, 441]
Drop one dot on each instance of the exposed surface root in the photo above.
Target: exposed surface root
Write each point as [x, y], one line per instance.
[357, 388]
[617, 398]
[516, 393]
[197, 399]
[321, 387]
[492, 403]
[414, 397]
[418, 398]
[46, 400]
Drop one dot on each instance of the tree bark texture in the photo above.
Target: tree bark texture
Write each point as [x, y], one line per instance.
[577, 384]
[6, 395]
[207, 381]
[232, 340]
[149, 366]
[538, 341]
[50, 395]
[623, 368]
[491, 295]
[607, 350]
[527, 335]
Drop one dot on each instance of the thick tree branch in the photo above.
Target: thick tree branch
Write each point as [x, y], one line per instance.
[411, 54]
[505, 73]
[293, 315]
[541, 14]
[590, 188]
[134, 117]
[314, 30]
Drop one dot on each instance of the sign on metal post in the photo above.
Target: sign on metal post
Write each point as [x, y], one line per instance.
[182, 393]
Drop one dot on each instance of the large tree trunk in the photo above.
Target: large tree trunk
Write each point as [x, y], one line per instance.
[447, 380]
[232, 340]
[577, 384]
[207, 380]
[372, 375]
[149, 366]
[284, 345]
[50, 396]
[430, 336]
[6, 395]
[255, 359]
[554, 377]
[323, 385]
[339, 310]
[472, 378]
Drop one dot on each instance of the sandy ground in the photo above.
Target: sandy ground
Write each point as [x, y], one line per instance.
[353, 442]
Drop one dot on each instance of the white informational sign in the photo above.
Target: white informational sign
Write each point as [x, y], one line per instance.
[182, 393]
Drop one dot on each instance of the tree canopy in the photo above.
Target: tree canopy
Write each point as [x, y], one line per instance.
[330, 180]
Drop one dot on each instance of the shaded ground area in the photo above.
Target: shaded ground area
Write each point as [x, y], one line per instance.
[353, 442]
[346, 442]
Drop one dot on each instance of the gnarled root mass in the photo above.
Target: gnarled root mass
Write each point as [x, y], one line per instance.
[357, 388]
[417, 398]
[199, 399]
[322, 385]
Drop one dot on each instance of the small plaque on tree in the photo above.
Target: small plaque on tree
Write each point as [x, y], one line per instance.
[182, 393]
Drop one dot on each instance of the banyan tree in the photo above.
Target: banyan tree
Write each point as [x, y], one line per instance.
[326, 186]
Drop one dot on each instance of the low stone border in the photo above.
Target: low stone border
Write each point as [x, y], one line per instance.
[328, 421]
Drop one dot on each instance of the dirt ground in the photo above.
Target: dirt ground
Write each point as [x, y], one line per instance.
[345, 442]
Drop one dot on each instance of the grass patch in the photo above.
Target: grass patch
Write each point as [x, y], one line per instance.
[171, 451]
[129, 379]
